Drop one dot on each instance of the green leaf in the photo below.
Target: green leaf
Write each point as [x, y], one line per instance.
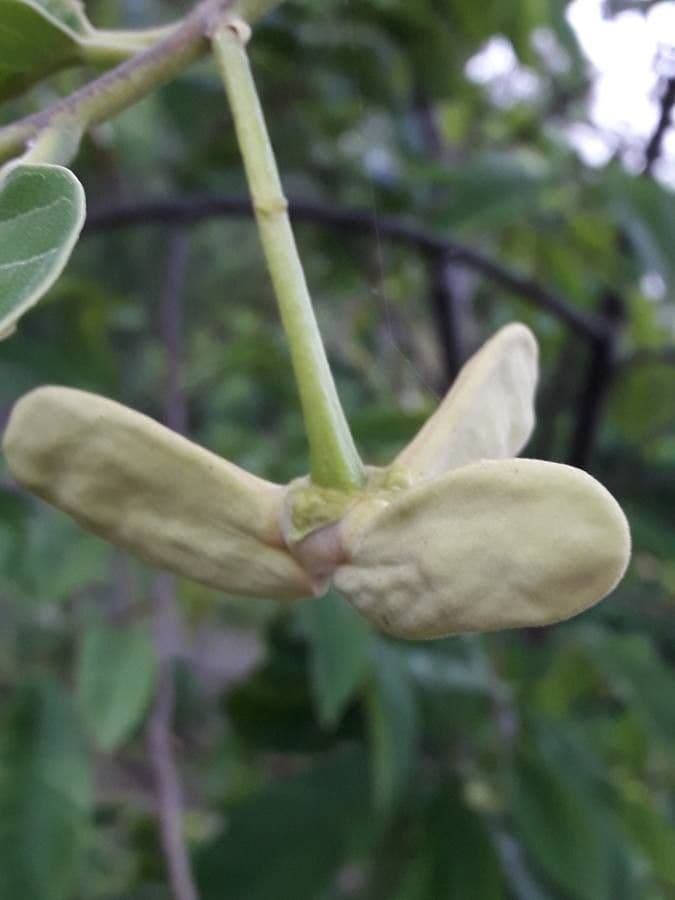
[561, 829]
[521, 881]
[393, 727]
[651, 831]
[646, 210]
[115, 679]
[289, 840]
[489, 192]
[45, 795]
[33, 45]
[273, 710]
[42, 210]
[463, 860]
[339, 654]
[636, 674]
[56, 558]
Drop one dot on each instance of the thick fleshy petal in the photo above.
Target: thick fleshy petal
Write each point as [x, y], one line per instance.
[488, 412]
[498, 544]
[143, 487]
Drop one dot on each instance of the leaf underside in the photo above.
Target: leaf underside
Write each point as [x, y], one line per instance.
[42, 210]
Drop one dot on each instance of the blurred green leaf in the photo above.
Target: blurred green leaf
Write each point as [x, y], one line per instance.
[488, 192]
[642, 402]
[45, 795]
[273, 710]
[651, 832]
[57, 558]
[393, 726]
[558, 824]
[42, 211]
[636, 674]
[289, 840]
[646, 210]
[340, 658]
[517, 871]
[115, 681]
[463, 861]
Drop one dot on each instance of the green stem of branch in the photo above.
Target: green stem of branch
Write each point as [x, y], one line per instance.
[57, 144]
[121, 87]
[110, 48]
[115, 90]
[334, 460]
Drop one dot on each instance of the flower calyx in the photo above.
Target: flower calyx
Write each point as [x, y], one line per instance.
[314, 520]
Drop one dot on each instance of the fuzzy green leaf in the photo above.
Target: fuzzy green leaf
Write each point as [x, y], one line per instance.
[42, 210]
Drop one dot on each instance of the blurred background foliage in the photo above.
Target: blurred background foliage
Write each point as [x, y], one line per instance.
[319, 761]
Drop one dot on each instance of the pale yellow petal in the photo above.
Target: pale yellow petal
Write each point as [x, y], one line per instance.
[497, 544]
[145, 488]
[488, 412]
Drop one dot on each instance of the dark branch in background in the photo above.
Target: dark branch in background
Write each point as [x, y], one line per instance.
[449, 321]
[655, 145]
[448, 304]
[160, 736]
[602, 368]
[171, 332]
[555, 395]
[184, 210]
[426, 119]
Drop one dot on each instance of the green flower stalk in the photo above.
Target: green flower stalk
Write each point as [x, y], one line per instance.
[334, 460]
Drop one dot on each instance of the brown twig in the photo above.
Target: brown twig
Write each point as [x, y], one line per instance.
[183, 210]
[159, 735]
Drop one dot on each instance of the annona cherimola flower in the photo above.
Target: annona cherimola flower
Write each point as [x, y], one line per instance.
[456, 535]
